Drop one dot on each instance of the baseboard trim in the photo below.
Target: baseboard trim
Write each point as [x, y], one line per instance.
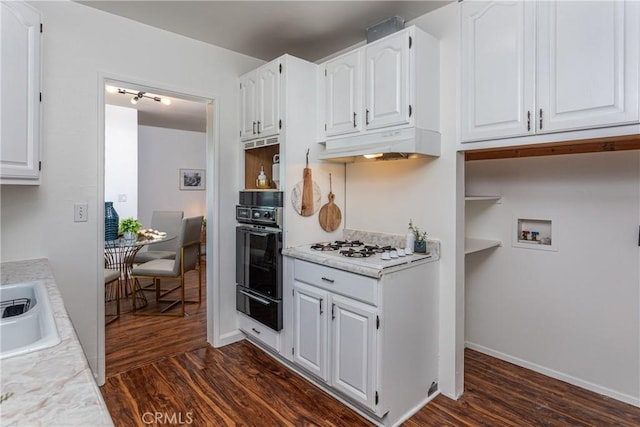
[635, 401]
[229, 338]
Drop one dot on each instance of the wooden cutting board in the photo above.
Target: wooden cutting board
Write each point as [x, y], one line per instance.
[307, 191]
[330, 215]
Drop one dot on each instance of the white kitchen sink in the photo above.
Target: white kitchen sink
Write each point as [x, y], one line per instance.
[26, 319]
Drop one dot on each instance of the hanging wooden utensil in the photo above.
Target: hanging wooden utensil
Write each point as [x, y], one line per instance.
[307, 191]
[330, 216]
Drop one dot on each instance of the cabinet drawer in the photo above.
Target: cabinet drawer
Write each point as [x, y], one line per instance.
[260, 332]
[338, 281]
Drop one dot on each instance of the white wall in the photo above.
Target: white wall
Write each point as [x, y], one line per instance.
[162, 153]
[121, 159]
[573, 314]
[383, 196]
[79, 43]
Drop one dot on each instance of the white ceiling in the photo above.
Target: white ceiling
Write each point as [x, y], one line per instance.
[311, 30]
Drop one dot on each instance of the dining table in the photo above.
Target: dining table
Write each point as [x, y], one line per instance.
[119, 254]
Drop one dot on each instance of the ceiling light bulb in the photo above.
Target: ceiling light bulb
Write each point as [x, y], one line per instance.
[372, 156]
[134, 100]
[111, 89]
[166, 101]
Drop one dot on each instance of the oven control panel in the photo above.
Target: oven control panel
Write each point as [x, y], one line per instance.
[259, 215]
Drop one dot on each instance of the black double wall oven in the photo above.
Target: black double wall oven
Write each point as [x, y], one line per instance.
[259, 256]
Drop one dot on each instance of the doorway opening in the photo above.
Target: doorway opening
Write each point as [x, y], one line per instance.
[153, 139]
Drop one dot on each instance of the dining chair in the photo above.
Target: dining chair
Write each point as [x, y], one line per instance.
[187, 259]
[112, 291]
[169, 222]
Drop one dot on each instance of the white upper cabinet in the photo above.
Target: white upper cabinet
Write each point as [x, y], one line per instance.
[542, 67]
[587, 64]
[268, 104]
[248, 106]
[20, 94]
[498, 52]
[389, 84]
[387, 81]
[343, 80]
[260, 102]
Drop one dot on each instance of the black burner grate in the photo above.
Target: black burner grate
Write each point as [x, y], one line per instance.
[356, 253]
[348, 243]
[378, 249]
[325, 247]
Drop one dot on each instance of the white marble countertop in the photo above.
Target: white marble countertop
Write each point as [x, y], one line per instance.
[341, 264]
[53, 386]
[369, 237]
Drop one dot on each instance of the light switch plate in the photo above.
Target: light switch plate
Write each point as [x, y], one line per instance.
[80, 212]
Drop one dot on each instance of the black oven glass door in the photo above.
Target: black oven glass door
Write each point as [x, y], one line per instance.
[263, 309]
[259, 261]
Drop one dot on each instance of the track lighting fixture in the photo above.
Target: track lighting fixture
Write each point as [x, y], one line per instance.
[137, 96]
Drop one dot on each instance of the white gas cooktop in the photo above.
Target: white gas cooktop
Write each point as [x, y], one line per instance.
[361, 254]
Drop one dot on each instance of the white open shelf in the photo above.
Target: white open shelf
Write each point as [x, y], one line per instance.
[472, 245]
[497, 199]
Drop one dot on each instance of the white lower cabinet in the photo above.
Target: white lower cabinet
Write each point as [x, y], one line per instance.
[310, 329]
[331, 330]
[353, 338]
[371, 341]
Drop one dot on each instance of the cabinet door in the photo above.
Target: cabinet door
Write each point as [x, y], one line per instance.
[248, 106]
[497, 70]
[310, 329]
[343, 92]
[19, 91]
[587, 64]
[268, 99]
[387, 82]
[353, 346]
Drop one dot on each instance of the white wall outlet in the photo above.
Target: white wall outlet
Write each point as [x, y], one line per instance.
[80, 212]
[122, 197]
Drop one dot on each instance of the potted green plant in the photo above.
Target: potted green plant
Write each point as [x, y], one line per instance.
[420, 242]
[129, 228]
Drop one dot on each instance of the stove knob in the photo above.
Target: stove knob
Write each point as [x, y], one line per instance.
[267, 215]
[256, 215]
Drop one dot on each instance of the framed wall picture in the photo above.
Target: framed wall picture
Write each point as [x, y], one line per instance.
[192, 179]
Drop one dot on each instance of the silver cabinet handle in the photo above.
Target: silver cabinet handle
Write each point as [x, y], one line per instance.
[321, 307]
[255, 298]
[324, 279]
[354, 119]
[255, 330]
[528, 120]
[254, 128]
[258, 127]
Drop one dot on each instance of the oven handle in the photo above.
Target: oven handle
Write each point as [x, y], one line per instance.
[260, 234]
[253, 297]
[247, 258]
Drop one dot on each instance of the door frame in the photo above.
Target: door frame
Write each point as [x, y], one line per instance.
[212, 203]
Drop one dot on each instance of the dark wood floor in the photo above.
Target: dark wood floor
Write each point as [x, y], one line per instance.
[164, 367]
[132, 341]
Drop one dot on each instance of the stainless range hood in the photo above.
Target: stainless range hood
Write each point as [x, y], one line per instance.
[405, 143]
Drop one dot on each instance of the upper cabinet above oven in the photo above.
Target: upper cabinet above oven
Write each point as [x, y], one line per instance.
[536, 68]
[260, 101]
